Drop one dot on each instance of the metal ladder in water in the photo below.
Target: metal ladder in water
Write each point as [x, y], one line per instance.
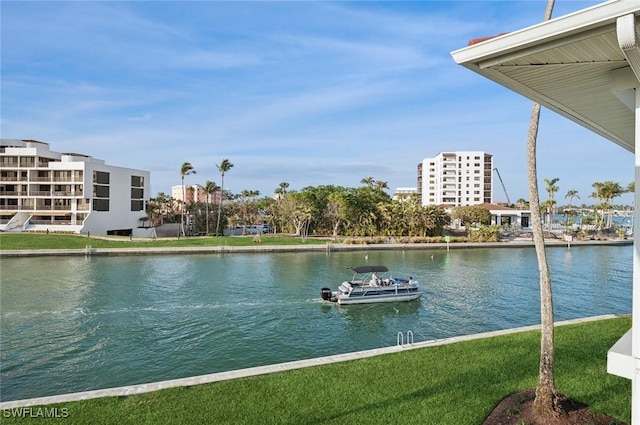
[400, 339]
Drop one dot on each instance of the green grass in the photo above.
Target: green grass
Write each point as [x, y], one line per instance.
[12, 241]
[454, 384]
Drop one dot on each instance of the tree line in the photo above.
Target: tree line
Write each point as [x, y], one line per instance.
[604, 193]
[331, 210]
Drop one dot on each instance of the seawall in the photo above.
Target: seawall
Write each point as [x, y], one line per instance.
[329, 247]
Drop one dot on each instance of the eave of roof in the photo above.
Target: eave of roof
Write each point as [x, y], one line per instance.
[575, 24]
[565, 64]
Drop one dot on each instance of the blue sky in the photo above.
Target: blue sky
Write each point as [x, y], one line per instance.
[309, 93]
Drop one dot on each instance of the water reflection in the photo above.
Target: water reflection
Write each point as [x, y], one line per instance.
[378, 314]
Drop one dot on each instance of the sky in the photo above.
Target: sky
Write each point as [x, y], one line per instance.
[307, 93]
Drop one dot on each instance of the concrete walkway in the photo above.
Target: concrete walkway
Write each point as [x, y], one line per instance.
[262, 370]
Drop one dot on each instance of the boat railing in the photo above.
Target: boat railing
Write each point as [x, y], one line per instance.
[400, 339]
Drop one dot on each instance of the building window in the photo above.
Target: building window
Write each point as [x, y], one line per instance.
[9, 161]
[100, 191]
[101, 177]
[137, 193]
[137, 205]
[137, 181]
[28, 162]
[101, 205]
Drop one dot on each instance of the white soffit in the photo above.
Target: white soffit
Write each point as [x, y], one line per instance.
[566, 64]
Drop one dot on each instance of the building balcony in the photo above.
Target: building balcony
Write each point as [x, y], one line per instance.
[54, 221]
[45, 193]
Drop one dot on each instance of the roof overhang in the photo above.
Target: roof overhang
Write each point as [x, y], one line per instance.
[576, 65]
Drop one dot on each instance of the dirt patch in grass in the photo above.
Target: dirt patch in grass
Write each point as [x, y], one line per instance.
[517, 409]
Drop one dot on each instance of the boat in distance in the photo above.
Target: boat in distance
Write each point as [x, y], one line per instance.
[373, 284]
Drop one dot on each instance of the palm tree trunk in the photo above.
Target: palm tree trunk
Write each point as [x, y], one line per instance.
[220, 205]
[546, 395]
[206, 211]
[182, 209]
[547, 400]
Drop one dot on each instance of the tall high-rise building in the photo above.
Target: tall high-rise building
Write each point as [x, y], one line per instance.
[453, 179]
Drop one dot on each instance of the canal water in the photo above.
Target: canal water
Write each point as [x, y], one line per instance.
[82, 323]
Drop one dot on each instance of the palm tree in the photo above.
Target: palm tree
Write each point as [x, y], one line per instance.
[380, 185]
[597, 193]
[546, 401]
[185, 170]
[223, 167]
[609, 191]
[522, 203]
[369, 181]
[605, 192]
[551, 190]
[570, 194]
[209, 188]
[281, 190]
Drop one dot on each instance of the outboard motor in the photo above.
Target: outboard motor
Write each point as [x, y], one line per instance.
[326, 294]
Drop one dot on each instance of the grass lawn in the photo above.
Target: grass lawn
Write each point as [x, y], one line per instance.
[11, 241]
[454, 384]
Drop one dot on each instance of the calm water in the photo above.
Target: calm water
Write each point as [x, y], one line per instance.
[81, 323]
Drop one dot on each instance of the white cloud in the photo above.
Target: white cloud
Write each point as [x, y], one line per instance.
[306, 92]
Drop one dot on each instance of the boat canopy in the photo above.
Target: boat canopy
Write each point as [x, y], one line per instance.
[369, 269]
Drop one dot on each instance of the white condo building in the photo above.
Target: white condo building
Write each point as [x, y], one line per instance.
[453, 179]
[43, 190]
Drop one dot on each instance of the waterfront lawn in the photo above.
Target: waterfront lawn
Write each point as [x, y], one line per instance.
[457, 384]
[16, 241]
